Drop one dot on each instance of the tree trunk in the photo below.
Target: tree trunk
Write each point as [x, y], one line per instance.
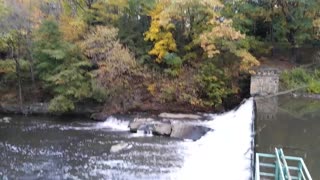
[272, 31]
[19, 83]
[31, 63]
[29, 43]
[294, 54]
[18, 73]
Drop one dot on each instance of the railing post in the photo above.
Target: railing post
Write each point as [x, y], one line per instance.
[282, 177]
[276, 171]
[300, 171]
[257, 175]
[285, 165]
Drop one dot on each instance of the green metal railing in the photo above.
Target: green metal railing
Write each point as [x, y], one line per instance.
[280, 167]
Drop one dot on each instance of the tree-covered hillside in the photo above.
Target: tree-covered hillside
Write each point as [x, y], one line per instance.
[138, 54]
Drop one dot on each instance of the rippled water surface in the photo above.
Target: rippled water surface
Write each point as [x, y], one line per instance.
[294, 125]
[70, 148]
[38, 147]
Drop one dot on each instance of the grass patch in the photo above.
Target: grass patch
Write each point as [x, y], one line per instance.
[299, 77]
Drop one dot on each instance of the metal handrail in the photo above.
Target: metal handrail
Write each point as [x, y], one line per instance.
[280, 167]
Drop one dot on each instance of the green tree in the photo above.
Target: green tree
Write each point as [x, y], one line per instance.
[105, 12]
[136, 17]
[61, 67]
[10, 43]
[287, 22]
[2, 8]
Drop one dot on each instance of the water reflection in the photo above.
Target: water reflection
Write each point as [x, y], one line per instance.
[293, 124]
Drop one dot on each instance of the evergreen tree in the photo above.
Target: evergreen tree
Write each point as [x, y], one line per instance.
[61, 67]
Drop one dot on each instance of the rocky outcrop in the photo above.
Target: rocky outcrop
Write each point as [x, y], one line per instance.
[179, 116]
[169, 129]
[36, 108]
[187, 131]
[146, 128]
[139, 122]
[162, 129]
[120, 147]
[99, 116]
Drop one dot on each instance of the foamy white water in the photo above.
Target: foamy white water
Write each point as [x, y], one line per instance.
[115, 124]
[225, 153]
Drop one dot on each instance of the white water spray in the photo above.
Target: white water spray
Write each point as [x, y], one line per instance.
[115, 124]
[224, 153]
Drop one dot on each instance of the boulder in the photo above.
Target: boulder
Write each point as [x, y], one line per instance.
[145, 128]
[137, 122]
[120, 147]
[162, 129]
[187, 131]
[179, 116]
[99, 116]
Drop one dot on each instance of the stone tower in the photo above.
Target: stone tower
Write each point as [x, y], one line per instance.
[265, 82]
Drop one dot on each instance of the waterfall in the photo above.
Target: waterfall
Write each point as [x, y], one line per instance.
[224, 153]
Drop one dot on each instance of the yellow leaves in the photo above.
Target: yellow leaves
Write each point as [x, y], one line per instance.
[159, 33]
[316, 22]
[212, 3]
[152, 89]
[209, 48]
[223, 30]
[164, 43]
[247, 61]
[72, 28]
[223, 37]
[226, 31]
[316, 26]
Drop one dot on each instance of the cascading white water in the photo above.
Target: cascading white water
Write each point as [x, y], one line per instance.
[225, 153]
[115, 124]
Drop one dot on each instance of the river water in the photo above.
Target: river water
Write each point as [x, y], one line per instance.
[65, 148]
[292, 124]
[75, 148]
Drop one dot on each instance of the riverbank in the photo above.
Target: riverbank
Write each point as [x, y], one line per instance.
[136, 103]
[147, 95]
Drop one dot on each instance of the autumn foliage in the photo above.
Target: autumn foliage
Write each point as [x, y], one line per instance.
[187, 52]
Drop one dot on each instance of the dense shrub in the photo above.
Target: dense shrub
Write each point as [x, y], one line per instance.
[301, 77]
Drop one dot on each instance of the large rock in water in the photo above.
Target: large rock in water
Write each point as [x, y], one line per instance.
[138, 122]
[146, 128]
[179, 116]
[99, 116]
[162, 129]
[187, 131]
[120, 147]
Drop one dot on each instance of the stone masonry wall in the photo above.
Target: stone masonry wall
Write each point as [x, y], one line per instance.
[264, 82]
